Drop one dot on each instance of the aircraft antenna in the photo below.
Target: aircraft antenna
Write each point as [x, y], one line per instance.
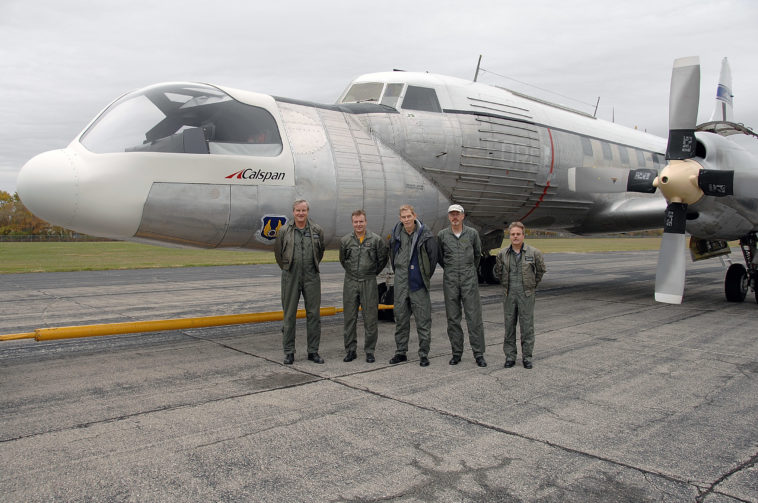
[478, 64]
[596, 105]
[541, 89]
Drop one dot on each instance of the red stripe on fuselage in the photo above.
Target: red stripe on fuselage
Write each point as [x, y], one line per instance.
[549, 176]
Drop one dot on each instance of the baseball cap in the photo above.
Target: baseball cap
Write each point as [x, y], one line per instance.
[455, 207]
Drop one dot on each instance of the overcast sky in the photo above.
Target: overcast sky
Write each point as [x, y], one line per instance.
[62, 61]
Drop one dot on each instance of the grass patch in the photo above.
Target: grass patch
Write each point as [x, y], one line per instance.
[589, 245]
[89, 256]
[83, 256]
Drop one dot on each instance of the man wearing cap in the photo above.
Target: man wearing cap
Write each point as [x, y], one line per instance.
[520, 268]
[460, 252]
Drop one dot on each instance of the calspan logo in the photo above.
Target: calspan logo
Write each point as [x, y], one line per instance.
[260, 175]
[270, 226]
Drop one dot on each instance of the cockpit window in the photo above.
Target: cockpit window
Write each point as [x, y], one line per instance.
[421, 98]
[363, 92]
[392, 94]
[184, 118]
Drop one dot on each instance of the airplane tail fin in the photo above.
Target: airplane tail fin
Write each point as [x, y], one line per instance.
[723, 110]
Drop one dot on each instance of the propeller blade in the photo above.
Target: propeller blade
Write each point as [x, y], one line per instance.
[716, 182]
[720, 183]
[684, 97]
[670, 273]
[611, 180]
[641, 180]
[746, 184]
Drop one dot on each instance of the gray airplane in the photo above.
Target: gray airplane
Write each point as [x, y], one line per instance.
[207, 166]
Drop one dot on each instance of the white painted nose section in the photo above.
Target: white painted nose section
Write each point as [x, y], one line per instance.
[48, 187]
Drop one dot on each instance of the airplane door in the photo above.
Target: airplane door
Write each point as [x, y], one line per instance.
[186, 213]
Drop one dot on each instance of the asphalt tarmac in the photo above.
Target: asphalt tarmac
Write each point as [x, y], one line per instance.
[629, 400]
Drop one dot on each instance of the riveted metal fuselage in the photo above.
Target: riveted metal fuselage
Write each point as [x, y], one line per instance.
[503, 157]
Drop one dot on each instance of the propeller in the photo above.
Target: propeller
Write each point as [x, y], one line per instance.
[685, 181]
[675, 180]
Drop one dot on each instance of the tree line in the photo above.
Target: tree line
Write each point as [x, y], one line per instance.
[17, 221]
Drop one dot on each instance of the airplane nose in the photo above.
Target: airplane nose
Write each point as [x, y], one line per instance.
[48, 187]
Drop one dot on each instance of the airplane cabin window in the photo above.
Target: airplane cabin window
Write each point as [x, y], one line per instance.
[421, 98]
[607, 154]
[586, 146]
[363, 92]
[184, 118]
[624, 153]
[640, 158]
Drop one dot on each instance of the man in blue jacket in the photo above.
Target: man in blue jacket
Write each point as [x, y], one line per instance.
[413, 254]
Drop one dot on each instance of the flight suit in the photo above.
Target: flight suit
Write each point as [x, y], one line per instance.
[460, 256]
[519, 274]
[413, 299]
[362, 261]
[298, 252]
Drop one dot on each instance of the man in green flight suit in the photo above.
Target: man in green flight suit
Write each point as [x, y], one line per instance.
[363, 255]
[520, 268]
[298, 249]
[460, 251]
[413, 253]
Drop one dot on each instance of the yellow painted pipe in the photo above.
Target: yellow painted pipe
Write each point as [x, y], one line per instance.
[15, 337]
[131, 327]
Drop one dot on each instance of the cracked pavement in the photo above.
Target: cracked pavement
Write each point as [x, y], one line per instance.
[629, 400]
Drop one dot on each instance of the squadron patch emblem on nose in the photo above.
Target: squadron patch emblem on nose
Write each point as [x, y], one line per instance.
[270, 226]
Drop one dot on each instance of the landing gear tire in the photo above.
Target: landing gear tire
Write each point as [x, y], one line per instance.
[736, 283]
[487, 270]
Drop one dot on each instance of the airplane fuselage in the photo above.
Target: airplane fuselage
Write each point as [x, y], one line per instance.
[198, 165]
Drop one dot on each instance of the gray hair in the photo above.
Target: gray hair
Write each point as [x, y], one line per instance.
[307, 206]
